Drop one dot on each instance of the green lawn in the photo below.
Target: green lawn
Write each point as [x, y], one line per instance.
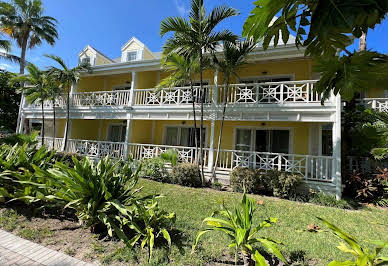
[193, 205]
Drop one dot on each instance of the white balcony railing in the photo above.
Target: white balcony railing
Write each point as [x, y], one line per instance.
[318, 168]
[379, 104]
[271, 92]
[101, 98]
[171, 96]
[253, 93]
[312, 168]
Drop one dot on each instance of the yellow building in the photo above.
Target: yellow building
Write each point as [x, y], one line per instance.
[274, 119]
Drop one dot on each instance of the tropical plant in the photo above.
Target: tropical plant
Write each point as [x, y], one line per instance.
[20, 139]
[53, 91]
[9, 102]
[362, 255]
[234, 55]
[98, 192]
[154, 169]
[18, 178]
[24, 21]
[151, 223]
[183, 72]
[66, 77]
[170, 156]
[186, 174]
[238, 226]
[325, 28]
[35, 89]
[193, 38]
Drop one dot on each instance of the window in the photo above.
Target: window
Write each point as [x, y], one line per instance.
[85, 60]
[182, 136]
[327, 140]
[131, 56]
[276, 141]
[122, 87]
[117, 133]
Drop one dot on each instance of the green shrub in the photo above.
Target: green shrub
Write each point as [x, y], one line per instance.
[329, 200]
[186, 174]
[283, 184]
[244, 177]
[67, 157]
[154, 169]
[19, 139]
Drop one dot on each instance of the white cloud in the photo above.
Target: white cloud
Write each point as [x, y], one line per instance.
[181, 7]
[8, 67]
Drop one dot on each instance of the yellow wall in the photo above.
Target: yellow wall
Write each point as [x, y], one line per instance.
[59, 127]
[375, 93]
[101, 83]
[100, 60]
[147, 80]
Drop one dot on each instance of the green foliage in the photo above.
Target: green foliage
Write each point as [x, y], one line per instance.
[9, 102]
[186, 174]
[244, 178]
[284, 184]
[170, 156]
[67, 158]
[154, 169]
[238, 226]
[329, 200]
[351, 245]
[149, 224]
[20, 139]
[321, 26]
[358, 72]
[18, 177]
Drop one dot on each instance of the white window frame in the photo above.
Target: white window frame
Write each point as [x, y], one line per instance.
[253, 136]
[108, 133]
[180, 126]
[132, 52]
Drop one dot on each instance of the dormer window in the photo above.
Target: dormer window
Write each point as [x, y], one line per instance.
[85, 60]
[132, 56]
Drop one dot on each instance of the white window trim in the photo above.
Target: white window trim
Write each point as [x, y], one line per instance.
[253, 141]
[262, 77]
[138, 55]
[206, 127]
[108, 133]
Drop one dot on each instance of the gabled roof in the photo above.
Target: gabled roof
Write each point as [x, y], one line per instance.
[88, 47]
[135, 40]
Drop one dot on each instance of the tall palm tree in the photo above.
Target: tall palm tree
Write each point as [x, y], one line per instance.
[5, 47]
[34, 89]
[234, 55]
[67, 77]
[194, 37]
[53, 91]
[23, 21]
[183, 73]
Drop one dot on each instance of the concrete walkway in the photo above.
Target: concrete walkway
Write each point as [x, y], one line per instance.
[17, 251]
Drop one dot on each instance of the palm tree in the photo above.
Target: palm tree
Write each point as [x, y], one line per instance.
[234, 55]
[53, 90]
[34, 89]
[183, 72]
[193, 38]
[23, 21]
[5, 46]
[67, 77]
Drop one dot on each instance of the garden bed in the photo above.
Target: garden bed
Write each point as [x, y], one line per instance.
[61, 231]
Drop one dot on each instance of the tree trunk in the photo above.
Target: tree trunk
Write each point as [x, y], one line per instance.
[362, 42]
[201, 123]
[42, 105]
[226, 91]
[195, 121]
[67, 119]
[247, 259]
[54, 135]
[23, 56]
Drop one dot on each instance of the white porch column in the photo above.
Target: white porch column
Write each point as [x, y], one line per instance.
[215, 89]
[20, 121]
[133, 88]
[127, 137]
[210, 161]
[337, 148]
[73, 89]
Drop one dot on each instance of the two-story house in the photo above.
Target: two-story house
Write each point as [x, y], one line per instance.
[274, 118]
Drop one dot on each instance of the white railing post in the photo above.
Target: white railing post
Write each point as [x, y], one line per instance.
[210, 161]
[133, 89]
[20, 121]
[374, 104]
[337, 148]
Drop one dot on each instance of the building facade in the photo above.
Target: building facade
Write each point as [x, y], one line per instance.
[274, 119]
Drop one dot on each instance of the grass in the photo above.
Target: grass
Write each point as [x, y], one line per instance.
[191, 207]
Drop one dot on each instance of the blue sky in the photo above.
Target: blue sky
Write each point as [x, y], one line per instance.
[107, 25]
